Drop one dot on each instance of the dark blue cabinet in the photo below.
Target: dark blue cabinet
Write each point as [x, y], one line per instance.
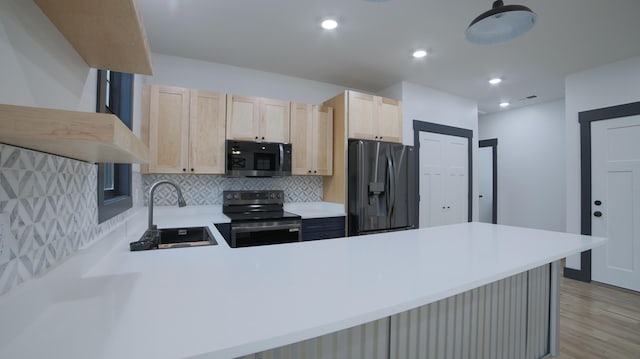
[323, 228]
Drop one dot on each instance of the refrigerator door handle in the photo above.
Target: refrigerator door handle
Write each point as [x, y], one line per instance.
[391, 197]
[362, 185]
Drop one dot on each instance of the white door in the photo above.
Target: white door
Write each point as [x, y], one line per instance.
[444, 174]
[485, 182]
[615, 206]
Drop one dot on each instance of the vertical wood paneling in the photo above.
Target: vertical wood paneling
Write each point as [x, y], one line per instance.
[538, 312]
[474, 326]
[505, 319]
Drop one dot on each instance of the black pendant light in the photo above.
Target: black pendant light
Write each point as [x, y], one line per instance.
[501, 23]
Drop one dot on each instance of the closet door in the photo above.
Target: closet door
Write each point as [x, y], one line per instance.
[444, 179]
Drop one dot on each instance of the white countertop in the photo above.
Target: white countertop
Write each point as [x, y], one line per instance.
[219, 302]
[315, 209]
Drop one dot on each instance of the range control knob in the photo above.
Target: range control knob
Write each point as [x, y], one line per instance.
[228, 196]
[279, 195]
[236, 196]
[272, 195]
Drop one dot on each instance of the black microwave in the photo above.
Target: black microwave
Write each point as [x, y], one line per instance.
[258, 159]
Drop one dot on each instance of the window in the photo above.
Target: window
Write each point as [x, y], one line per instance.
[115, 92]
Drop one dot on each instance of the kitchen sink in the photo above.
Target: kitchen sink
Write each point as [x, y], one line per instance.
[174, 238]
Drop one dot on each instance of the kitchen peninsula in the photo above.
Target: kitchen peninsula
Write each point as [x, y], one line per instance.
[450, 290]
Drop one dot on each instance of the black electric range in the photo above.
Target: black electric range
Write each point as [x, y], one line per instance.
[258, 218]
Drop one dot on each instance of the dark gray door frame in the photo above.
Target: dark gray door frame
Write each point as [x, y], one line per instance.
[493, 143]
[585, 118]
[419, 126]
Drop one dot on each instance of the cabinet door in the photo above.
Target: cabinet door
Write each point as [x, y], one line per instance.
[274, 121]
[361, 116]
[388, 120]
[168, 129]
[301, 138]
[322, 141]
[207, 132]
[243, 117]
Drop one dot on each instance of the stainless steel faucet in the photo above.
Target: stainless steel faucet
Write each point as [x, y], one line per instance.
[152, 189]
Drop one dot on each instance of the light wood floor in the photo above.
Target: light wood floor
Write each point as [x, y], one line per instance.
[598, 321]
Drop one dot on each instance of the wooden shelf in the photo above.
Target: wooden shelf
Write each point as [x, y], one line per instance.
[86, 136]
[108, 35]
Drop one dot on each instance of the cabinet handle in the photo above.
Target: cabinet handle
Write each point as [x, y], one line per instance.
[192, 170]
[256, 137]
[443, 207]
[309, 171]
[380, 137]
[263, 137]
[315, 171]
[184, 170]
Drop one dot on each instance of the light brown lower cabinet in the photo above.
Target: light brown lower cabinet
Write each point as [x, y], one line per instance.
[184, 129]
[311, 139]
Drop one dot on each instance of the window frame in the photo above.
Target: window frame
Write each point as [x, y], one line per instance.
[120, 93]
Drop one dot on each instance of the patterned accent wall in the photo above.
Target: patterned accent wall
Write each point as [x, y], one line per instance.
[207, 189]
[48, 211]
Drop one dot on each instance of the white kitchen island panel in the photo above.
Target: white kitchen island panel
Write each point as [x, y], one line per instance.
[508, 318]
[221, 302]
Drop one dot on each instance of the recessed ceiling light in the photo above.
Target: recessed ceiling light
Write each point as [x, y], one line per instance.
[329, 24]
[418, 54]
[495, 81]
[504, 104]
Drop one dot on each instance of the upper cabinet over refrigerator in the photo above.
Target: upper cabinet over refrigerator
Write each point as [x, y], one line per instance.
[374, 118]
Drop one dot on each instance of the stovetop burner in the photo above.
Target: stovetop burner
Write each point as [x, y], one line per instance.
[255, 205]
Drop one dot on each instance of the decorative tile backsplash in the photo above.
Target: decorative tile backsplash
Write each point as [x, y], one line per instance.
[207, 189]
[48, 210]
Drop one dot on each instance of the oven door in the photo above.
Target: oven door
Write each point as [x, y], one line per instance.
[258, 233]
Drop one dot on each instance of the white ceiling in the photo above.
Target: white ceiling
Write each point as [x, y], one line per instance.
[371, 49]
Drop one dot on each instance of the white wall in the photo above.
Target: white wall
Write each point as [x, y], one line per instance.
[393, 91]
[531, 164]
[38, 66]
[610, 85]
[429, 105]
[177, 71]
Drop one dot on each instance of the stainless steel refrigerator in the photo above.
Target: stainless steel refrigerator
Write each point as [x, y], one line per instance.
[381, 187]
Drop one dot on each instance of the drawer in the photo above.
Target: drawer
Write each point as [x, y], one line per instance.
[323, 228]
[323, 224]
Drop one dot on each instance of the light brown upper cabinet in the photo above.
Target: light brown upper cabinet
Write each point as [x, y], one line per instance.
[184, 129]
[311, 139]
[374, 117]
[257, 119]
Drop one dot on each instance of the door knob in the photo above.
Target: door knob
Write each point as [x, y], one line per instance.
[597, 214]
